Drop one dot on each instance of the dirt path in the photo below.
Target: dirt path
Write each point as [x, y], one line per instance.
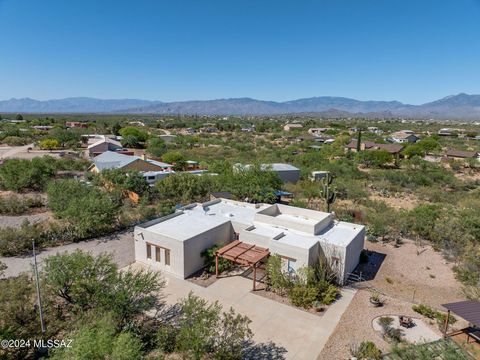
[15, 150]
[121, 245]
[17, 221]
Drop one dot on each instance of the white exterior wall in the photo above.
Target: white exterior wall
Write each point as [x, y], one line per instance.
[176, 266]
[255, 239]
[353, 250]
[301, 255]
[193, 247]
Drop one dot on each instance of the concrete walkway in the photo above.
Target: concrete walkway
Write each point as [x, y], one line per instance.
[121, 246]
[302, 334]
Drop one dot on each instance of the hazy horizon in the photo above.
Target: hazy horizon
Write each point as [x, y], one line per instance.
[408, 51]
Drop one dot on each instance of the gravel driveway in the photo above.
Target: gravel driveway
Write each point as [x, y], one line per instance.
[120, 245]
[16, 221]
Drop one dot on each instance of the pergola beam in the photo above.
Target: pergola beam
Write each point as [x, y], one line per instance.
[243, 254]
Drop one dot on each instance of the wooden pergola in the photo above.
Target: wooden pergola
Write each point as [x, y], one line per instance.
[243, 254]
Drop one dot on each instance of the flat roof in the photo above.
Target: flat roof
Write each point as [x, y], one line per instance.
[199, 218]
[301, 240]
[187, 225]
[340, 233]
[233, 210]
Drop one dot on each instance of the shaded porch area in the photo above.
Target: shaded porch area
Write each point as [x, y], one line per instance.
[243, 254]
[469, 337]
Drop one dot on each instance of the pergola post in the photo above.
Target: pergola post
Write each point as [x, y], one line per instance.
[216, 265]
[254, 277]
[445, 328]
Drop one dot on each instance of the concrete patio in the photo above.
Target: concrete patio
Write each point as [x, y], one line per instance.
[302, 334]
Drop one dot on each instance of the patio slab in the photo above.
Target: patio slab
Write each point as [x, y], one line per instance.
[302, 334]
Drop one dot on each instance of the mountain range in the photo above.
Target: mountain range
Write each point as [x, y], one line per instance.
[461, 106]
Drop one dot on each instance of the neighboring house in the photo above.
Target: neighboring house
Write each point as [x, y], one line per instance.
[192, 165]
[451, 132]
[404, 137]
[286, 172]
[209, 129]
[136, 123]
[393, 149]
[102, 145]
[461, 155]
[168, 138]
[301, 237]
[248, 129]
[317, 131]
[153, 176]
[76, 124]
[288, 127]
[318, 175]
[42, 127]
[114, 160]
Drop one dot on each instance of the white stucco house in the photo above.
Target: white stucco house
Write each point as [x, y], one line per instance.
[174, 243]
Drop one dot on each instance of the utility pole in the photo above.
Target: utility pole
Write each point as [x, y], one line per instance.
[39, 298]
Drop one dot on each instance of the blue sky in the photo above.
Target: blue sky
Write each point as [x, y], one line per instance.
[412, 51]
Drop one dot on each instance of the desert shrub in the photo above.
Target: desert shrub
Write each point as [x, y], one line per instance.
[367, 350]
[166, 337]
[209, 260]
[278, 281]
[17, 205]
[156, 146]
[86, 207]
[20, 174]
[430, 313]
[129, 180]
[16, 140]
[16, 241]
[374, 158]
[327, 293]
[49, 144]
[184, 187]
[303, 296]
[388, 331]
[425, 310]
[443, 349]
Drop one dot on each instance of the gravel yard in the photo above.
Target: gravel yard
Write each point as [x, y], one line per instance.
[355, 325]
[120, 245]
[17, 221]
[403, 276]
[427, 277]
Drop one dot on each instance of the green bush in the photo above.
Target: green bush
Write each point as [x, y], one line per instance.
[209, 260]
[87, 208]
[430, 313]
[303, 296]
[20, 174]
[425, 310]
[15, 241]
[277, 280]
[367, 350]
[17, 205]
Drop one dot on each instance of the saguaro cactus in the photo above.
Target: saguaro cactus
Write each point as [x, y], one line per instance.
[328, 193]
[359, 140]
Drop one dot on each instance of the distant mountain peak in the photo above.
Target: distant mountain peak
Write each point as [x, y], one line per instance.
[460, 106]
